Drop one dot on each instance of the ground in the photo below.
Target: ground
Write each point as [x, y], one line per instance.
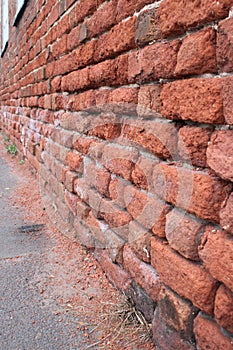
[53, 294]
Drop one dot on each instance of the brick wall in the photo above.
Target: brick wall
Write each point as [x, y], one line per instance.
[125, 110]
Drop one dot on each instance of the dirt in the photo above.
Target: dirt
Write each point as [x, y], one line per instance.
[66, 279]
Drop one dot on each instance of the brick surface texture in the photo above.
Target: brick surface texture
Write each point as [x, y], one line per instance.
[124, 109]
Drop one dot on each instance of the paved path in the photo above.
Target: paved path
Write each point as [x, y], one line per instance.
[28, 322]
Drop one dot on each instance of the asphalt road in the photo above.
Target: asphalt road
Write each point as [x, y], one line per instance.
[28, 321]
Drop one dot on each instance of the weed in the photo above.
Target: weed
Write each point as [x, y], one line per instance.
[21, 162]
[12, 149]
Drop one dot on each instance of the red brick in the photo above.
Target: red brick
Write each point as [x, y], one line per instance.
[139, 241]
[105, 127]
[84, 55]
[73, 38]
[59, 47]
[220, 153]
[69, 178]
[81, 188]
[102, 180]
[127, 8]
[97, 177]
[197, 54]
[82, 209]
[103, 19]
[119, 39]
[227, 100]
[148, 27]
[124, 100]
[82, 144]
[225, 45]
[142, 173]
[226, 215]
[199, 100]
[77, 80]
[157, 137]
[83, 101]
[114, 216]
[184, 233]
[153, 62]
[97, 228]
[143, 273]
[116, 191]
[192, 144]
[148, 211]
[209, 336]
[195, 191]
[102, 74]
[216, 251]
[74, 161]
[177, 312]
[149, 103]
[119, 160]
[115, 273]
[223, 309]
[173, 21]
[166, 337]
[183, 276]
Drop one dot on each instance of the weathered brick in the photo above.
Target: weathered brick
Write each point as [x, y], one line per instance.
[216, 252]
[192, 144]
[105, 127]
[124, 100]
[142, 173]
[174, 22]
[197, 53]
[184, 277]
[148, 211]
[115, 273]
[166, 337]
[223, 309]
[139, 241]
[71, 200]
[153, 62]
[195, 191]
[148, 27]
[119, 160]
[83, 234]
[143, 273]
[184, 233]
[157, 137]
[225, 45]
[116, 191]
[81, 189]
[177, 312]
[209, 336]
[220, 153]
[114, 216]
[141, 300]
[74, 161]
[149, 101]
[226, 215]
[199, 100]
